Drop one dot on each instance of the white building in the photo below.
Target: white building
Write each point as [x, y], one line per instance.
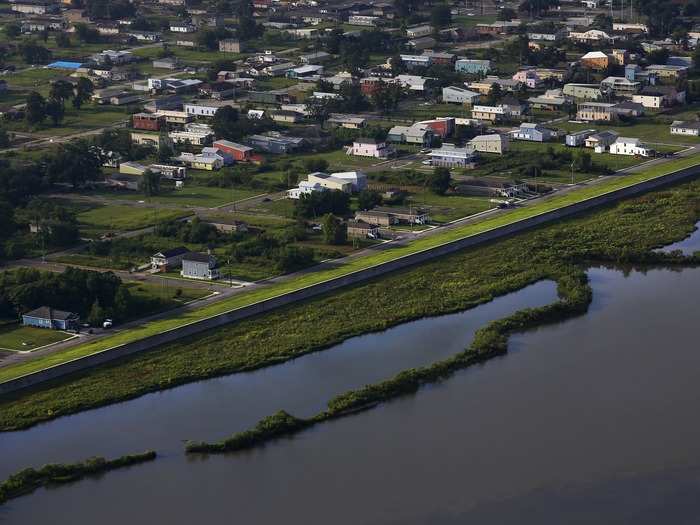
[492, 143]
[629, 146]
[304, 188]
[680, 127]
[204, 108]
[459, 95]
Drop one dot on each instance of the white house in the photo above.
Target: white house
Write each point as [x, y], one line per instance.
[629, 146]
[680, 127]
[459, 95]
[492, 143]
[304, 188]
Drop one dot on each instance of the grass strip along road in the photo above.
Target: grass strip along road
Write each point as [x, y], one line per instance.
[309, 279]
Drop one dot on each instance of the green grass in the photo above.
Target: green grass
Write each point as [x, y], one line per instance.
[75, 121]
[13, 336]
[189, 195]
[445, 208]
[308, 279]
[114, 218]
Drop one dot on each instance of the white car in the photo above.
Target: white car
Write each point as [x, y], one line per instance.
[427, 162]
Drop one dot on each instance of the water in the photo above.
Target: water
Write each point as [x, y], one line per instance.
[688, 246]
[588, 421]
[215, 408]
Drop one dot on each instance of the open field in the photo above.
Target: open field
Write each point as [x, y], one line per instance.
[22, 338]
[113, 218]
[307, 279]
[87, 118]
[190, 195]
[466, 279]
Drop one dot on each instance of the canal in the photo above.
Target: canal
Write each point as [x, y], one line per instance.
[587, 418]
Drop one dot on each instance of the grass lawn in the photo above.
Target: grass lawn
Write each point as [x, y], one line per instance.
[12, 336]
[113, 218]
[190, 195]
[36, 79]
[647, 130]
[75, 121]
[445, 208]
[174, 294]
[471, 21]
[553, 203]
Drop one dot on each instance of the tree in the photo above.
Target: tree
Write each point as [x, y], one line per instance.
[439, 180]
[387, 96]
[582, 161]
[368, 199]
[440, 16]
[63, 40]
[311, 165]
[247, 27]
[506, 14]
[658, 56]
[317, 203]
[151, 183]
[83, 92]
[97, 314]
[33, 53]
[208, 39]
[35, 112]
[61, 90]
[55, 111]
[226, 123]
[76, 163]
[13, 30]
[4, 138]
[334, 230]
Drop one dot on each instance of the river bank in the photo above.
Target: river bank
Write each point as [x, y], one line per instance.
[624, 232]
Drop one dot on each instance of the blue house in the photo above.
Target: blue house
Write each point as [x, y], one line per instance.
[473, 67]
[532, 132]
[47, 317]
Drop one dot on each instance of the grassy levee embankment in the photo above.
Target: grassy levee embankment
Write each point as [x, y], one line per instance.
[375, 259]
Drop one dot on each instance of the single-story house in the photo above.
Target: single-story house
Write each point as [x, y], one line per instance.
[681, 127]
[362, 230]
[47, 317]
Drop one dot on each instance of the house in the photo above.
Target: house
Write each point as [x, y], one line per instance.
[490, 113]
[498, 27]
[165, 63]
[47, 317]
[419, 31]
[169, 172]
[600, 142]
[199, 266]
[628, 108]
[145, 139]
[595, 111]
[195, 134]
[357, 179]
[166, 259]
[680, 127]
[124, 181]
[36, 25]
[316, 57]
[620, 86]
[206, 162]
[595, 60]
[454, 94]
[583, 91]
[182, 27]
[239, 152]
[175, 117]
[578, 138]
[218, 90]
[277, 143]
[532, 132]
[668, 72]
[485, 85]
[492, 143]
[659, 96]
[412, 82]
[442, 127]
[225, 225]
[592, 36]
[528, 77]
[304, 188]
[451, 156]
[371, 85]
[404, 215]
[619, 27]
[205, 108]
[363, 20]
[629, 146]
[291, 117]
[329, 182]
[309, 71]
[132, 168]
[35, 7]
[362, 230]
[414, 134]
[366, 147]
[424, 42]
[472, 67]
[414, 61]
[211, 152]
[620, 57]
[441, 58]
[376, 218]
[553, 100]
[147, 121]
[278, 70]
[160, 103]
[346, 121]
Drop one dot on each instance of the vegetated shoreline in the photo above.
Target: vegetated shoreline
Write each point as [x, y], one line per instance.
[28, 480]
[620, 233]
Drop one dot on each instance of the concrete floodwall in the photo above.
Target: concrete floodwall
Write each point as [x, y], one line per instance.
[359, 276]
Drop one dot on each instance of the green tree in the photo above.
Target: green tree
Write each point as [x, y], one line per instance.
[311, 165]
[440, 16]
[61, 90]
[582, 161]
[334, 230]
[151, 183]
[13, 30]
[368, 199]
[83, 92]
[55, 111]
[76, 163]
[4, 138]
[97, 314]
[35, 111]
[226, 123]
[439, 180]
[63, 40]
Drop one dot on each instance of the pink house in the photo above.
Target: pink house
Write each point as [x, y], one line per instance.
[364, 147]
[528, 77]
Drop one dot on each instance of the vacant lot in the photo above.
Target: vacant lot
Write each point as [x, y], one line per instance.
[101, 219]
[16, 337]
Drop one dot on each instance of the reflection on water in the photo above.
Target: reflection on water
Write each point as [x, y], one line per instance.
[688, 246]
[588, 421]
